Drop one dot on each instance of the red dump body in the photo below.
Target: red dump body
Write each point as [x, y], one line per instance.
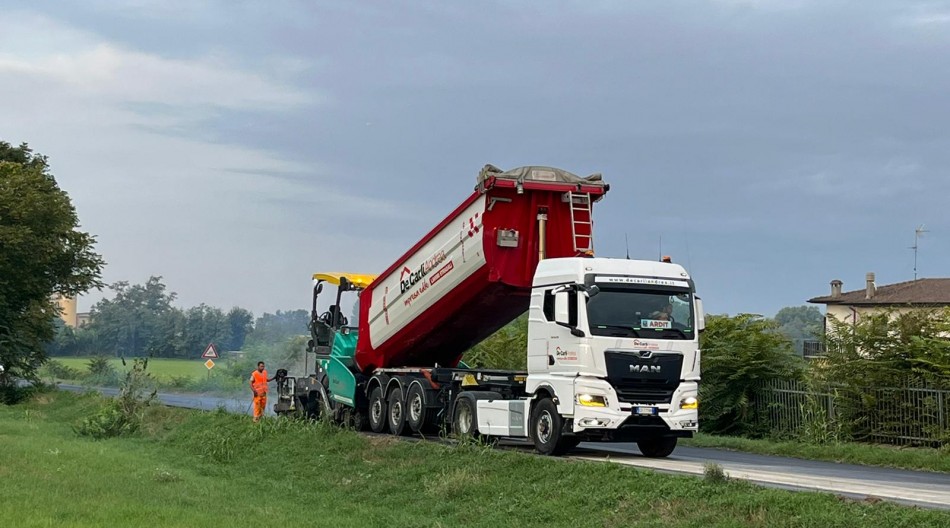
[472, 274]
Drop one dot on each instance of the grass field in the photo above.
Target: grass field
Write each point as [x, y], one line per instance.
[923, 458]
[194, 469]
[160, 368]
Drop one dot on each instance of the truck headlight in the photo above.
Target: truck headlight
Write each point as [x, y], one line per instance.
[689, 403]
[591, 400]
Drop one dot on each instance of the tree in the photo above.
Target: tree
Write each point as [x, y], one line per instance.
[128, 324]
[278, 327]
[240, 322]
[799, 323]
[42, 253]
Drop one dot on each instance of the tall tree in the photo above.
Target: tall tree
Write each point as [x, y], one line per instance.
[42, 253]
[278, 327]
[240, 322]
[800, 323]
[129, 324]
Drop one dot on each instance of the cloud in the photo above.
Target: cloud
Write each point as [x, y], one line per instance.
[128, 136]
[89, 67]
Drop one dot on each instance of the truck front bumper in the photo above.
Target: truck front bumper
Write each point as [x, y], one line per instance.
[630, 417]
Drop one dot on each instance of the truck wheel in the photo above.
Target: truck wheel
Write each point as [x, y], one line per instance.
[464, 423]
[377, 411]
[397, 413]
[355, 419]
[657, 447]
[546, 428]
[418, 417]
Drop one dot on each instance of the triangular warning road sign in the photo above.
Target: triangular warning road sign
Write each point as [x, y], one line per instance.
[211, 352]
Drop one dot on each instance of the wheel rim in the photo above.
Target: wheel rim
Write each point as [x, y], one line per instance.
[465, 420]
[415, 409]
[396, 412]
[545, 427]
[377, 411]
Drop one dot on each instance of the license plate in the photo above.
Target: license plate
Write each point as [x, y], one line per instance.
[650, 411]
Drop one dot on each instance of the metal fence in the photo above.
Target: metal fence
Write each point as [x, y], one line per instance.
[901, 416]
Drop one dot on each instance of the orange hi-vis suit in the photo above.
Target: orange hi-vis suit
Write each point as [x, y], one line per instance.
[259, 384]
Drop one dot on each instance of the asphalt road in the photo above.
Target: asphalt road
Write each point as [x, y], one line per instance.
[919, 488]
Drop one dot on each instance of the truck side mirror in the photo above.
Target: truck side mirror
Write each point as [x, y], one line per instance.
[562, 313]
[700, 315]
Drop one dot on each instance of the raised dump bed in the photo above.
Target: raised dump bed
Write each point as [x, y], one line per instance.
[472, 274]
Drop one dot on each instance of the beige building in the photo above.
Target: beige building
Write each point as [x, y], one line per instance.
[68, 313]
[850, 307]
[67, 309]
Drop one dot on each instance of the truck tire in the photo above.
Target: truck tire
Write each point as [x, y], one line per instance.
[354, 419]
[464, 420]
[397, 413]
[547, 429]
[377, 411]
[657, 447]
[418, 417]
[312, 406]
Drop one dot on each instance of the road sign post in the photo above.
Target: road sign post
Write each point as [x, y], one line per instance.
[211, 352]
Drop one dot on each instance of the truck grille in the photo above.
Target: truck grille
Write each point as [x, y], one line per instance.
[651, 379]
[646, 393]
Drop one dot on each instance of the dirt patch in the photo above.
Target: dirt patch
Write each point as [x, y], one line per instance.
[382, 441]
[43, 399]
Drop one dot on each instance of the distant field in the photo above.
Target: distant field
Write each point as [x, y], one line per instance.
[163, 369]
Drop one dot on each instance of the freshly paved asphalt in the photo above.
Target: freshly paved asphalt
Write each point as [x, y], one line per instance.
[919, 488]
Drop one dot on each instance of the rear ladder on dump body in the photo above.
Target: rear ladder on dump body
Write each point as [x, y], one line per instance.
[582, 221]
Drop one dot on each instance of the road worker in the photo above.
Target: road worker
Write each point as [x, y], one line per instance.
[259, 389]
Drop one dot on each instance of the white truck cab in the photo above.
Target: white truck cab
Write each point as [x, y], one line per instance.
[614, 345]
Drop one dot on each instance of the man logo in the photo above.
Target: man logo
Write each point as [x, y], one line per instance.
[650, 369]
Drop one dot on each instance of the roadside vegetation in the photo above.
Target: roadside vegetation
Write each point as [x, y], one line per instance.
[188, 468]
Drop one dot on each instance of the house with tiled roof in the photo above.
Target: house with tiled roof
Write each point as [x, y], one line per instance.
[849, 307]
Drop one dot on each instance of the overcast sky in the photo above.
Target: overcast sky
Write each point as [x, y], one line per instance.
[237, 147]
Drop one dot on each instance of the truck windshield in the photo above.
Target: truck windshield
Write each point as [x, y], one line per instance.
[640, 313]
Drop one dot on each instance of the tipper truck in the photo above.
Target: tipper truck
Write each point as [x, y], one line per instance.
[612, 345]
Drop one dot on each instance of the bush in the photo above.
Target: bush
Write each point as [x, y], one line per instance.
[58, 370]
[740, 354]
[107, 422]
[870, 364]
[123, 415]
[12, 394]
[714, 473]
[101, 372]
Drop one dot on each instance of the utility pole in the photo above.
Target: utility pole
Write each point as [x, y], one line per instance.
[919, 232]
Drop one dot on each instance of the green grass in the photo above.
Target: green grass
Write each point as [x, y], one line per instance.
[188, 468]
[160, 368]
[928, 459]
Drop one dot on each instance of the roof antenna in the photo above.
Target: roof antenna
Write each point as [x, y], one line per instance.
[919, 232]
[627, 243]
[659, 252]
[689, 260]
